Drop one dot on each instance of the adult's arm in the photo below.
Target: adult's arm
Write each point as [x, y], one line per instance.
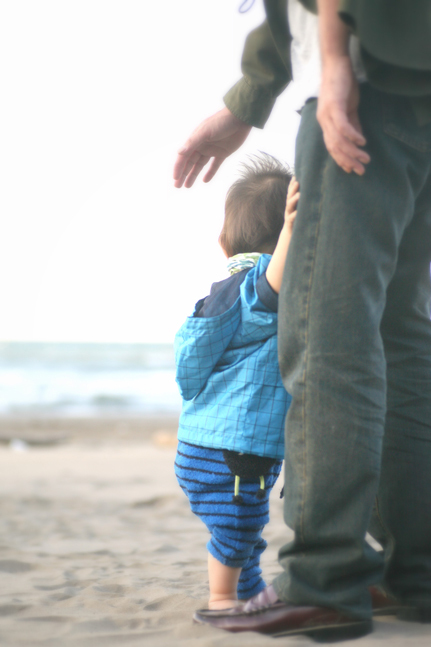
[266, 72]
[338, 101]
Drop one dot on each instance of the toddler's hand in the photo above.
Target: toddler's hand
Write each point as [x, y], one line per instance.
[291, 202]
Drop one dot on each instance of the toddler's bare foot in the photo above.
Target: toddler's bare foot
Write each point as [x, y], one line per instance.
[223, 604]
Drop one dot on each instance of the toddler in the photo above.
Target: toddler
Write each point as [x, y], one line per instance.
[231, 429]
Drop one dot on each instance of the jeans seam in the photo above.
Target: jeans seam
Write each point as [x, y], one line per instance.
[304, 398]
[383, 525]
[390, 540]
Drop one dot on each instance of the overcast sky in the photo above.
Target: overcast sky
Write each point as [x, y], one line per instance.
[97, 95]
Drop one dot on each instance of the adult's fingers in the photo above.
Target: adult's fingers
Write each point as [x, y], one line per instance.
[183, 157]
[344, 151]
[214, 167]
[193, 173]
[189, 155]
[345, 161]
[348, 130]
[190, 170]
[183, 166]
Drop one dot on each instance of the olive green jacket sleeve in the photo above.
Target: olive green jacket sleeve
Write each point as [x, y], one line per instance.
[395, 38]
[265, 65]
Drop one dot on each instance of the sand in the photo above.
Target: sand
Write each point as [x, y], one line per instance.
[98, 546]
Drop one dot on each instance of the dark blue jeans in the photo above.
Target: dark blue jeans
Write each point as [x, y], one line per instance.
[355, 353]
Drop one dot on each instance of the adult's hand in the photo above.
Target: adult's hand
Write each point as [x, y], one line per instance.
[337, 108]
[337, 114]
[215, 138]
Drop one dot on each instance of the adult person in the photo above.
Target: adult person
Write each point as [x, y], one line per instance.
[354, 323]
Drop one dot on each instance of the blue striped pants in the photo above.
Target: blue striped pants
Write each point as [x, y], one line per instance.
[236, 531]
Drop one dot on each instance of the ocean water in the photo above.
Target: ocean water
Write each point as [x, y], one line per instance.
[74, 379]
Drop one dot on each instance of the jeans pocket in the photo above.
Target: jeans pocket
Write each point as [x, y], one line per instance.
[399, 121]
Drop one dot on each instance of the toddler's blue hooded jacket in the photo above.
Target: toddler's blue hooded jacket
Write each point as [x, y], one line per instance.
[227, 368]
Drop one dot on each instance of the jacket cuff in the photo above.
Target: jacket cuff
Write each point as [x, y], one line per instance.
[250, 104]
[267, 295]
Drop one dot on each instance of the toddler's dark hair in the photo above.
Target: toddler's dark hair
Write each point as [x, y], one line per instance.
[255, 205]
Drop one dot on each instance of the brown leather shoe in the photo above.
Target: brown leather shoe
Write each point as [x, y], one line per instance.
[387, 605]
[383, 603]
[266, 614]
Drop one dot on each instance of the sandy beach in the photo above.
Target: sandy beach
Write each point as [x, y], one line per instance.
[98, 546]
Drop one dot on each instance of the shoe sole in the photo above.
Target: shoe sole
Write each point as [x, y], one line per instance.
[324, 633]
[333, 633]
[388, 611]
[415, 614]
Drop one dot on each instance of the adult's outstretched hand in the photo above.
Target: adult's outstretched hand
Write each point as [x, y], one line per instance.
[214, 139]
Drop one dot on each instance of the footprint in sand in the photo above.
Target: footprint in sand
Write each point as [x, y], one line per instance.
[167, 548]
[66, 594]
[153, 501]
[14, 566]
[114, 589]
[82, 584]
[48, 619]
[11, 609]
